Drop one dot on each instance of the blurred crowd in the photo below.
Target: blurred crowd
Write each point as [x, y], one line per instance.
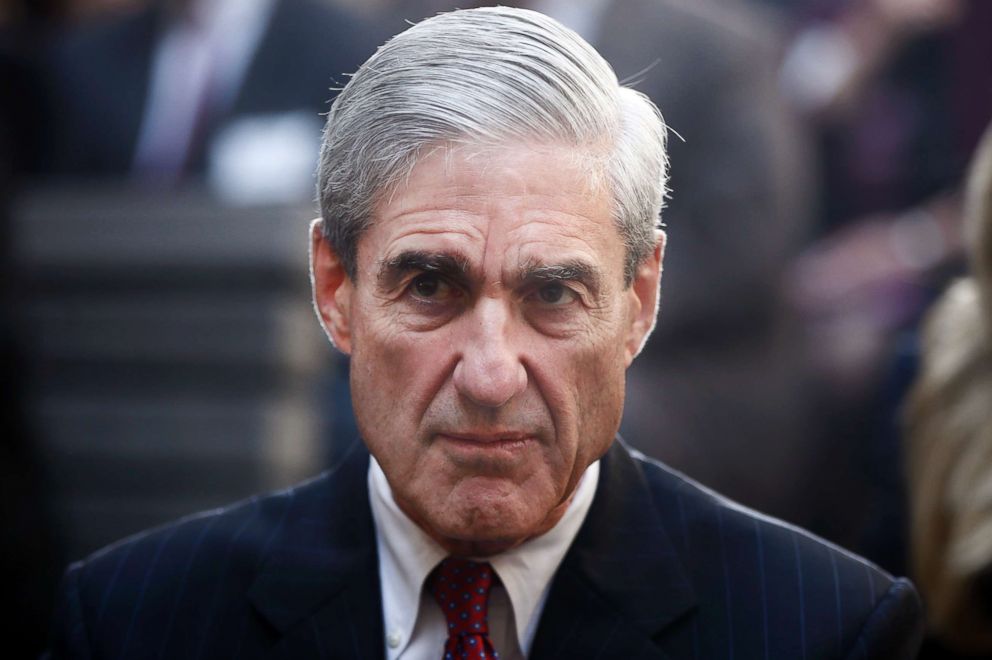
[818, 212]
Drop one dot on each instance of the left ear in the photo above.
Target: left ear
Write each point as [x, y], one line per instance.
[643, 298]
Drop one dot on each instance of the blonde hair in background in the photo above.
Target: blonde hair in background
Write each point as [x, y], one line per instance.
[978, 227]
[949, 437]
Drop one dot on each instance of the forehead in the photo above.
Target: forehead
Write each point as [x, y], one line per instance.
[499, 205]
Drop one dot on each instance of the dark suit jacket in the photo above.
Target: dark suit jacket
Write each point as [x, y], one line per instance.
[660, 569]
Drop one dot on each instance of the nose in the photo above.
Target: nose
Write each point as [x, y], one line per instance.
[490, 372]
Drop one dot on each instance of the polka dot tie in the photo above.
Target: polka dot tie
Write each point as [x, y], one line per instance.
[461, 587]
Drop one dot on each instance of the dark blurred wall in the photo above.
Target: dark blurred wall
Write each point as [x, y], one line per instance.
[30, 556]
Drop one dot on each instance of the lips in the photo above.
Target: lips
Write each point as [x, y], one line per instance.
[487, 442]
[488, 438]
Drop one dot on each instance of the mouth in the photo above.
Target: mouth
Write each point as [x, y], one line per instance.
[499, 442]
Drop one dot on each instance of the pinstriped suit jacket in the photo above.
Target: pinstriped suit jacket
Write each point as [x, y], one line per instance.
[660, 569]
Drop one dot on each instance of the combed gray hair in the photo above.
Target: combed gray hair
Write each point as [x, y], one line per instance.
[488, 76]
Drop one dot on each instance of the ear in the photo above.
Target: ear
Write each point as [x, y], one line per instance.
[643, 298]
[332, 289]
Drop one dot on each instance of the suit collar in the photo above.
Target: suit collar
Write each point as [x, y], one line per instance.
[621, 584]
[323, 567]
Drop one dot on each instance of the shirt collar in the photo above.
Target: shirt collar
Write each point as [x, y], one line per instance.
[407, 555]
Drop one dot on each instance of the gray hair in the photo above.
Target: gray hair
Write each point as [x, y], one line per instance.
[488, 76]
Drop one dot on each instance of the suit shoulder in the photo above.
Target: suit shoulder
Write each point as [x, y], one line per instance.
[699, 507]
[223, 544]
[185, 589]
[838, 600]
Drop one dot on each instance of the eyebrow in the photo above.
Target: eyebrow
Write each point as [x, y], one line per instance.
[453, 266]
[567, 271]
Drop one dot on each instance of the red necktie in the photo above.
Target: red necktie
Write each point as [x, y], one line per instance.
[461, 587]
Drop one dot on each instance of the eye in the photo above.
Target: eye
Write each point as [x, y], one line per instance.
[433, 287]
[555, 294]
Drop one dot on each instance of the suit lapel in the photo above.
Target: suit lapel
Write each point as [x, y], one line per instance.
[319, 588]
[621, 584]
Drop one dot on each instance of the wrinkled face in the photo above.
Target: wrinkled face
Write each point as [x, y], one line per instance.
[490, 330]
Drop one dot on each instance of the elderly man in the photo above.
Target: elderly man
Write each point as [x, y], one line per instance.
[488, 255]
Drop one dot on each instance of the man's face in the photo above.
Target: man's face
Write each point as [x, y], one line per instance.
[490, 331]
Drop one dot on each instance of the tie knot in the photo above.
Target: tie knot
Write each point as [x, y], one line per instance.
[461, 587]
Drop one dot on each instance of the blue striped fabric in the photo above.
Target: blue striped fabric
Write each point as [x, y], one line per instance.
[662, 568]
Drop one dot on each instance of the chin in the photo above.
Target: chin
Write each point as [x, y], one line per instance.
[482, 542]
[487, 527]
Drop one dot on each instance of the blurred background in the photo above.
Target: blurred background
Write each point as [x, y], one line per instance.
[160, 355]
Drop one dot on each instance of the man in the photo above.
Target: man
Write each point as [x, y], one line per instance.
[488, 255]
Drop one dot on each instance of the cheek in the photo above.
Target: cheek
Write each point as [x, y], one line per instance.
[597, 373]
[583, 384]
[398, 369]
[393, 381]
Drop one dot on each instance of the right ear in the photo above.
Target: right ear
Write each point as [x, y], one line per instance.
[332, 289]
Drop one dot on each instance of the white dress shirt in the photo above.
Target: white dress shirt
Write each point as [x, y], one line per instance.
[414, 624]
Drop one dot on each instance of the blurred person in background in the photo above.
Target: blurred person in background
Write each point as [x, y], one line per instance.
[147, 95]
[176, 113]
[723, 374]
[898, 93]
[949, 445]
[169, 91]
